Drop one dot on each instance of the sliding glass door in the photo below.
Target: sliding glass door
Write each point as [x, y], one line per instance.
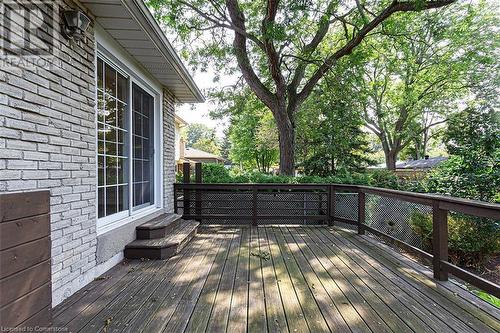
[143, 166]
[125, 144]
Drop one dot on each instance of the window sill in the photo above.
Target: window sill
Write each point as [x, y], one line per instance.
[107, 227]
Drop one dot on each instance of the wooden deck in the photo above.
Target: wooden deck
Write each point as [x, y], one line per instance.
[276, 279]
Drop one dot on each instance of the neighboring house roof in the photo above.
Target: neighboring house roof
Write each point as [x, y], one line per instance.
[131, 24]
[179, 121]
[425, 163]
[192, 153]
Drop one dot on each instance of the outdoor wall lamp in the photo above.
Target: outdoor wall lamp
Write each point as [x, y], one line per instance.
[75, 24]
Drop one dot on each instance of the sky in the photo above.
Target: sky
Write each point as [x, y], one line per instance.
[199, 113]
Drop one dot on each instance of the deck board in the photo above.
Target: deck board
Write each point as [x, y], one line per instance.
[276, 279]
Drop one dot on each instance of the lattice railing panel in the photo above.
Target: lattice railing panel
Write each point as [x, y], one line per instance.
[396, 218]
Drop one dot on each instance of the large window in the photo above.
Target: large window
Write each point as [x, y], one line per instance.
[125, 143]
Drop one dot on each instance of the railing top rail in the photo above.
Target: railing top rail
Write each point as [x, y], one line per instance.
[467, 206]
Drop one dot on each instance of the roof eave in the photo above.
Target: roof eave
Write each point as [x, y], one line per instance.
[145, 19]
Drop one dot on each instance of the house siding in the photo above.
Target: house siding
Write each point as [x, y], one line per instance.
[168, 150]
[48, 141]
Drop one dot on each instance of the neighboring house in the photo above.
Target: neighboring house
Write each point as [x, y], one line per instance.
[196, 155]
[414, 168]
[180, 145]
[96, 128]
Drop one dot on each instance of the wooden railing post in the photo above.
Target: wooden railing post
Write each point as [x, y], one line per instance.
[254, 206]
[361, 212]
[439, 241]
[176, 204]
[198, 180]
[186, 178]
[329, 205]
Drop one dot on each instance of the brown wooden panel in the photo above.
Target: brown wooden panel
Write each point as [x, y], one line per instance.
[21, 231]
[23, 308]
[23, 256]
[40, 319]
[23, 282]
[18, 205]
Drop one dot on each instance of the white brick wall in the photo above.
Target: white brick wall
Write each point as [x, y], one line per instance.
[168, 150]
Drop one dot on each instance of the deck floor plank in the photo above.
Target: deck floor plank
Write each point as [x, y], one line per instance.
[406, 307]
[237, 321]
[203, 289]
[422, 283]
[276, 279]
[308, 302]
[257, 321]
[339, 286]
[217, 322]
[418, 303]
[276, 318]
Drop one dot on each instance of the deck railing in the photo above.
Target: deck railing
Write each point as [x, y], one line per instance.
[384, 213]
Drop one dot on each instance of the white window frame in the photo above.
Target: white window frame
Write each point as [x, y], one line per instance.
[108, 223]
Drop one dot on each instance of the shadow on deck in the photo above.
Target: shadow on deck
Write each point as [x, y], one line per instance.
[277, 279]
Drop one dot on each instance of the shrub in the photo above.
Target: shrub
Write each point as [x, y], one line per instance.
[471, 240]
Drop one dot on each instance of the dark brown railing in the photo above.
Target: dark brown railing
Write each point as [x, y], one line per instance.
[330, 204]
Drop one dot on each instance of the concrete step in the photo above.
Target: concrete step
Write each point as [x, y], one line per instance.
[165, 247]
[158, 227]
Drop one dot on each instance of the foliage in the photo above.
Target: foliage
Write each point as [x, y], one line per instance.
[473, 136]
[471, 240]
[217, 173]
[414, 75]
[252, 133]
[281, 48]
[208, 145]
[202, 137]
[488, 297]
[329, 135]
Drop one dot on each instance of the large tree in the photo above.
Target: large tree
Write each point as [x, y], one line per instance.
[282, 48]
[418, 72]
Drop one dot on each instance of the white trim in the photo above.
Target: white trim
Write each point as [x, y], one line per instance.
[128, 67]
[102, 229]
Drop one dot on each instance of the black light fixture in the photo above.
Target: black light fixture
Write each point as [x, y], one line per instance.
[75, 24]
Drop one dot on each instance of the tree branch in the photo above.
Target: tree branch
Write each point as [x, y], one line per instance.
[394, 7]
[241, 53]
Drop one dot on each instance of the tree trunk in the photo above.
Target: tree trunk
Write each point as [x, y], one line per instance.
[390, 160]
[287, 147]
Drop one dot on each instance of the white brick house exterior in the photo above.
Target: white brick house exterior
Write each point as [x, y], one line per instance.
[48, 130]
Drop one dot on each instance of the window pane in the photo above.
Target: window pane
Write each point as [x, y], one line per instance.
[111, 174]
[111, 204]
[110, 78]
[122, 170]
[122, 198]
[137, 171]
[110, 148]
[100, 203]
[99, 73]
[138, 195]
[137, 123]
[137, 147]
[110, 112]
[100, 170]
[121, 115]
[100, 106]
[146, 192]
[121, 88]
